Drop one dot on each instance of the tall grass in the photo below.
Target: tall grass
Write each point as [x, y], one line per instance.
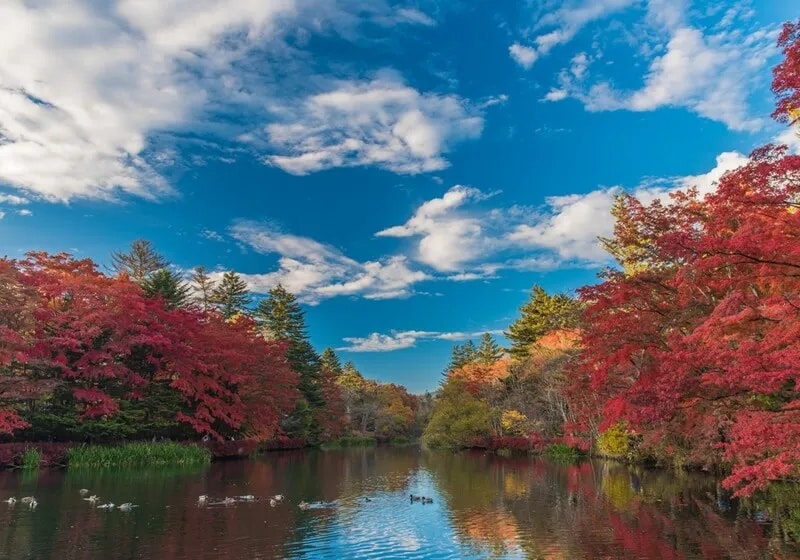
[137, 455]
[31, 459]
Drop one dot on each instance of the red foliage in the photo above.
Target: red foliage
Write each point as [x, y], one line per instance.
[52, 454]
[106, 341]
[534, 442]
[331, 419]
[786, 75]
[701, 352]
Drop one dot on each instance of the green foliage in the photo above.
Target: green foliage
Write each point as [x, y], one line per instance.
[280, 317]
[169, 286]
[31, 459]
[488, 351]
[231, 295]
[137, 455]
[614, 442]
[541, 314]
[562, 452]
[401, 441]
[203, 287]
[458, 418]
[462, 355]
[140, 262]
[330, 361]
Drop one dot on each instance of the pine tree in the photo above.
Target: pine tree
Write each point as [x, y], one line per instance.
[462, 354]
[540, 315]
[280, 317]
[330, 362]
[141, 261]
[488, 351]
[203, 287]
[167, 285]
[231, 295]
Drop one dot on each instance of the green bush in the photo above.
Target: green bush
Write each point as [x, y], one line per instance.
[562, 452]
[402, 441]
[137, 455]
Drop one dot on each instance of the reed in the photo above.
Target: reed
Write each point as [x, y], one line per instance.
[31, 459]
[137, 455]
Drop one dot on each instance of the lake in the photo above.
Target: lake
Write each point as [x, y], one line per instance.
[483, 507]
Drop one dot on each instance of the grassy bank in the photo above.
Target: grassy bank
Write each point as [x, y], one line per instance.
[137, 455]
[350, 441]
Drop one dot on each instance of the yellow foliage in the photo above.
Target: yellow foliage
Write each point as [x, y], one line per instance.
[614, 441]
[514, 422]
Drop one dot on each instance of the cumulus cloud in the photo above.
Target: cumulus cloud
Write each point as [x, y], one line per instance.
[382, 122]
[315, 271]
[448, 238]
[399, 340]
[91, 93]
[522, 55]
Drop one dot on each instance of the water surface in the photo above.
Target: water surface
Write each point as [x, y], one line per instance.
[483, 507]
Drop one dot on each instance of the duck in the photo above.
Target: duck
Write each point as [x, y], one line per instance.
[247, 498]
[304, 505]
[83, 491]
[427, 500]
[28, 499]
[228, 501]
[33, 503]
[273, 502]
[127, 506]
[109, 506]
[202, 499]
[278, 497]
[92, 499]
[367, 499]
[415, 498]
[11, 501]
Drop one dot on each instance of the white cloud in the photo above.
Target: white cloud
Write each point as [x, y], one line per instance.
[211, 235]
[564, 23]
[13, 200]
[399, 340]
[2, 214]
[90, 92]
[790, 137]
[382, 122]
[448, 238]
[24, 212]
[556, 95]
[314, 271]
[522, 55]
[710, 72]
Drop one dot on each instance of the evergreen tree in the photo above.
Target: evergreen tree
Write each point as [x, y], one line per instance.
[330, 362]
[231, 295]
[540, 315]
[203, 287]
[168, 285]
[462, 354]
[281, 318]
[488, 350]
[138, 263]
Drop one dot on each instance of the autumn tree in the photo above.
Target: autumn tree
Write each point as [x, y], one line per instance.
[541, 314]
[458, 417]
[139, 262]
[169, 286]
[202, 286]
[231, 295]
[786, 75]
[329, 361]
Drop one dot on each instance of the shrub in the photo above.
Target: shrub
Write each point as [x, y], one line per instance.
[562, 452]
[350, 441]
[614, 441]
[31, 459]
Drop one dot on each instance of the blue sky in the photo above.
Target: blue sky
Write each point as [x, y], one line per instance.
[408, 169]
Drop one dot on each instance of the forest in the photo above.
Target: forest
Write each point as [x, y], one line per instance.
[686, 353]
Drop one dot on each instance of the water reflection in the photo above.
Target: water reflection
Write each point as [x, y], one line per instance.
[483, 507]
